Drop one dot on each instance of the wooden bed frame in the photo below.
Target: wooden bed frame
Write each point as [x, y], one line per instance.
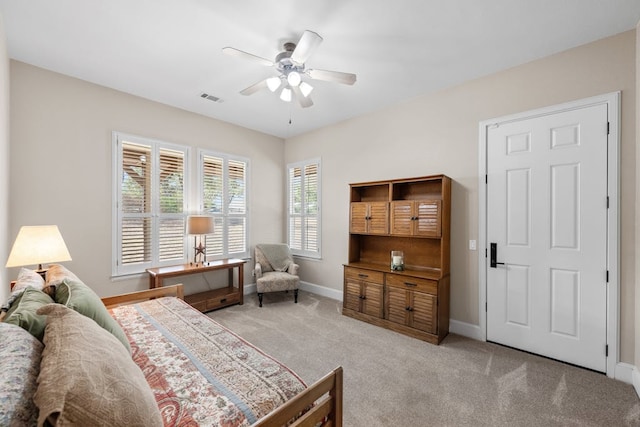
[325, 394]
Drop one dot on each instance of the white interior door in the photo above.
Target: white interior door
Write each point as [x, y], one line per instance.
[547, 216]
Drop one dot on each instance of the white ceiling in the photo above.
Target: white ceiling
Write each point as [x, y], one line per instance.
[170, 51]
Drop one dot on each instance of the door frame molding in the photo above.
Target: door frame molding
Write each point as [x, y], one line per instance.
[612, 100]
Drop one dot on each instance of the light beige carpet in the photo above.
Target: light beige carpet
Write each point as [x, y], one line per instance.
[394, 380]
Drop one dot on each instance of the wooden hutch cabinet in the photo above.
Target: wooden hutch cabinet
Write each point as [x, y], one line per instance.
[413, 216]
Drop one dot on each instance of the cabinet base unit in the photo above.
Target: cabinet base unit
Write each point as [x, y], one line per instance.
[415, 300]
[383, 323]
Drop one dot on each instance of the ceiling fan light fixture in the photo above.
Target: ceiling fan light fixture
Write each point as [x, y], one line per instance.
[290, 65]
[294, 78]
[285, 95]
[305, 88]
[273, 83]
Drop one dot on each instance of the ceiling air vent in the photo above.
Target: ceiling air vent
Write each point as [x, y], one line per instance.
[210, 97]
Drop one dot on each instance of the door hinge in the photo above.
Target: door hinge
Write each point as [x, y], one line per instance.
[485, 307]
[485, 252]
[486, 178]
[608, 128]
[607, 202]
[607, 276]
[606, 350]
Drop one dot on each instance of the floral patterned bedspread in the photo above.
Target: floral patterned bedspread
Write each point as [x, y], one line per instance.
[200, 372]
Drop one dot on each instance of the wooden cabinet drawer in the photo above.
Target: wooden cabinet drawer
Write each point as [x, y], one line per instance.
[213, 299]
[413, 283]
[365, 275]
[198, 305]
[223, 300]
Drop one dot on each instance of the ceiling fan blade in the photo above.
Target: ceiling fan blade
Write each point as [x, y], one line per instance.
[333, 76]
[232, 51]
[262, 84]
[304, 101]
[305, 47]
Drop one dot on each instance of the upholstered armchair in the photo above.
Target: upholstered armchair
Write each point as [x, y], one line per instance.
[275, 270]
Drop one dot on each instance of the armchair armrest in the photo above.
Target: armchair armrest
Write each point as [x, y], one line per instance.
[293, 269]
[257, 270]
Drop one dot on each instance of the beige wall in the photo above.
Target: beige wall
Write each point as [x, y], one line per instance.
[61, 164]
[5, 236]
[438, 133]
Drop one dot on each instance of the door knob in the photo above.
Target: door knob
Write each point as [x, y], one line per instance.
[493, 263]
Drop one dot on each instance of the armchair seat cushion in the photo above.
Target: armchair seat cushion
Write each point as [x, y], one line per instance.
[274, 281]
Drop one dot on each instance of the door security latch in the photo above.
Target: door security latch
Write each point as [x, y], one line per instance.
[493, 252]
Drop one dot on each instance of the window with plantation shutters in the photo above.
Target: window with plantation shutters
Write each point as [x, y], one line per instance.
[149, 214]
[224, 196]
[303, 211]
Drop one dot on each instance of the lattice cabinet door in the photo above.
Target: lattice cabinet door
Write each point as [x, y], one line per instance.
[428, 218]
[402, 218]
[423, 312]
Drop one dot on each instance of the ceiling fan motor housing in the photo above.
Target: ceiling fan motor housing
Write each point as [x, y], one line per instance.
[284, 64]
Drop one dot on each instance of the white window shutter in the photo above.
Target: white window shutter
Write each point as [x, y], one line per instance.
[304, 208]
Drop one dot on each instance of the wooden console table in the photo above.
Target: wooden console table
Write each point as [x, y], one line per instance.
[208, 300]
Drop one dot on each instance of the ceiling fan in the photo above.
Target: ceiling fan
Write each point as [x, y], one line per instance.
[290, 65]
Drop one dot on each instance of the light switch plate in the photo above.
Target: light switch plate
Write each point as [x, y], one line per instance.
[472, 245]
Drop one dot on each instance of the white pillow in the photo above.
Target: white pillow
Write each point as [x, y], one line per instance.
[26, 279]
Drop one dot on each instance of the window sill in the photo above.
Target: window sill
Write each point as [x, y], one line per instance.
[308, 257]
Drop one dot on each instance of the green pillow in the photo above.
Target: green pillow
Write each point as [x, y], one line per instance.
[81, 298]
[23, 311]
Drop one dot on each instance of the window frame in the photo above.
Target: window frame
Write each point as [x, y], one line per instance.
[118, 138]
[225, 215]
[302, 165]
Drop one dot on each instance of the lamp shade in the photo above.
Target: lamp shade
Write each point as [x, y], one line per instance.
[294, 78]
[199, 224]
[305, 88]
[273, 83]
[38, 244]
[285, 95]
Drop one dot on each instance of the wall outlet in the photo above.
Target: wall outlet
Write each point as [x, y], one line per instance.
[472, 245]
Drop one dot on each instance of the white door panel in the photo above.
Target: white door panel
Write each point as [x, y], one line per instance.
[547, 214]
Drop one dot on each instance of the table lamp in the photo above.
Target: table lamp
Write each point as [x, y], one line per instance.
[38, 244]
[199, 225]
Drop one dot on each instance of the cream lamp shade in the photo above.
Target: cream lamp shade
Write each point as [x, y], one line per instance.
[199, 224]
[38, 244]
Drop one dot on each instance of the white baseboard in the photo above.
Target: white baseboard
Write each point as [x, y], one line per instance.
[321, 290]
[465, 329]
[635, 380]
[305, 286]
[249, 289]
[624, 372]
